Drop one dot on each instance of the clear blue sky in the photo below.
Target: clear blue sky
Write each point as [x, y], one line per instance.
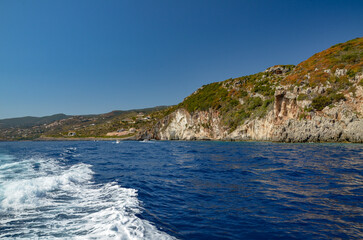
[83, 57]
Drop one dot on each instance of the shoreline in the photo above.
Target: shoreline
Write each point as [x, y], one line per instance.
[134, 138]
[82, 139]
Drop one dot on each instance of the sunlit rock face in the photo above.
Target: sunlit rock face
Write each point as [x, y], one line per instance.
[286, 122]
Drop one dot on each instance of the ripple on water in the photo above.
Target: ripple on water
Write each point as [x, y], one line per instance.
[190, 190]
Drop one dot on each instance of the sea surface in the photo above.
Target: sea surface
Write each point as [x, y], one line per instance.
[180, 190]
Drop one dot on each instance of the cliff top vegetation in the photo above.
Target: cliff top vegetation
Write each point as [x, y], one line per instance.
[251, 96]
[321, 67]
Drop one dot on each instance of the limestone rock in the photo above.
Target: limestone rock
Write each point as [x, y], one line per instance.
[287, 121]
[340, 72]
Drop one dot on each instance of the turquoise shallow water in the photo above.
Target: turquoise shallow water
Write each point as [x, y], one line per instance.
[184, 190]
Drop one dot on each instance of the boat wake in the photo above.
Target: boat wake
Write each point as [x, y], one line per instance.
[46, 198]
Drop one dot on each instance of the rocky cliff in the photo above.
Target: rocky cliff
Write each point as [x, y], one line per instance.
[319, 100]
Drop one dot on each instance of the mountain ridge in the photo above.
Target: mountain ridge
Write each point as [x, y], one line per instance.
[29, 121]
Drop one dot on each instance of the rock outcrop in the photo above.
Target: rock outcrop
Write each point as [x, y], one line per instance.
[286, 122]
[181, 125]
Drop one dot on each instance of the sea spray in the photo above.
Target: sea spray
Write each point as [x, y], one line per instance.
[43, 198]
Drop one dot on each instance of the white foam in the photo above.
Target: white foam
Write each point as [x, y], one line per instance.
[57, 201]
[35, 192]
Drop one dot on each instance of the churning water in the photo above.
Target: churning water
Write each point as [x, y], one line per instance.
[183, 190]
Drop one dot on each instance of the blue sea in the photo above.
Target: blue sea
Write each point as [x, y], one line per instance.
[180, 190]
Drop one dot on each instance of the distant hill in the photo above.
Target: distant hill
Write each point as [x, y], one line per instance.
[25, 122]
[116, 123]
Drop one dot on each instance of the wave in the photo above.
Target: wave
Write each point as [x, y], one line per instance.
[45, 198]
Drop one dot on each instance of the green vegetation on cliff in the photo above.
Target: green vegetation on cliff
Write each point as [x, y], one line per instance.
[321, 67]
[208, 96]
[252, 96]
[321, 101]
[240, 98]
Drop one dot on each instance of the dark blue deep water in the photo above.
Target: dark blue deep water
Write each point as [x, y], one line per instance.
[183, 190]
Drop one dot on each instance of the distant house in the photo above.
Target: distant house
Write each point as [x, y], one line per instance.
[72, 134]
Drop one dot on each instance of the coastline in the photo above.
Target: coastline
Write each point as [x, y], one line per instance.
[131, 138]
[134, 138]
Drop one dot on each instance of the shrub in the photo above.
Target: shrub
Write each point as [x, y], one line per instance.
[320, 102]
[254, 102]
[265, 90]
[233, 102]
[242, 114]
[351, 58]
[261, 111]
[243, 93]
[351, 73]
[308, 109]
[343, 83]
[210, 96]
[302, 116]
[267, 102]
[336, 97]
[330, 91]
[302, 97]
[348, 47]
[234, 119]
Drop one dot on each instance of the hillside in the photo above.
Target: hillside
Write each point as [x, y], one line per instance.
[26, 122]
[118, 124]
[320, 99]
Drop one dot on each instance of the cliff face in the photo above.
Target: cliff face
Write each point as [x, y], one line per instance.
[288, 122]
[319, 103]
